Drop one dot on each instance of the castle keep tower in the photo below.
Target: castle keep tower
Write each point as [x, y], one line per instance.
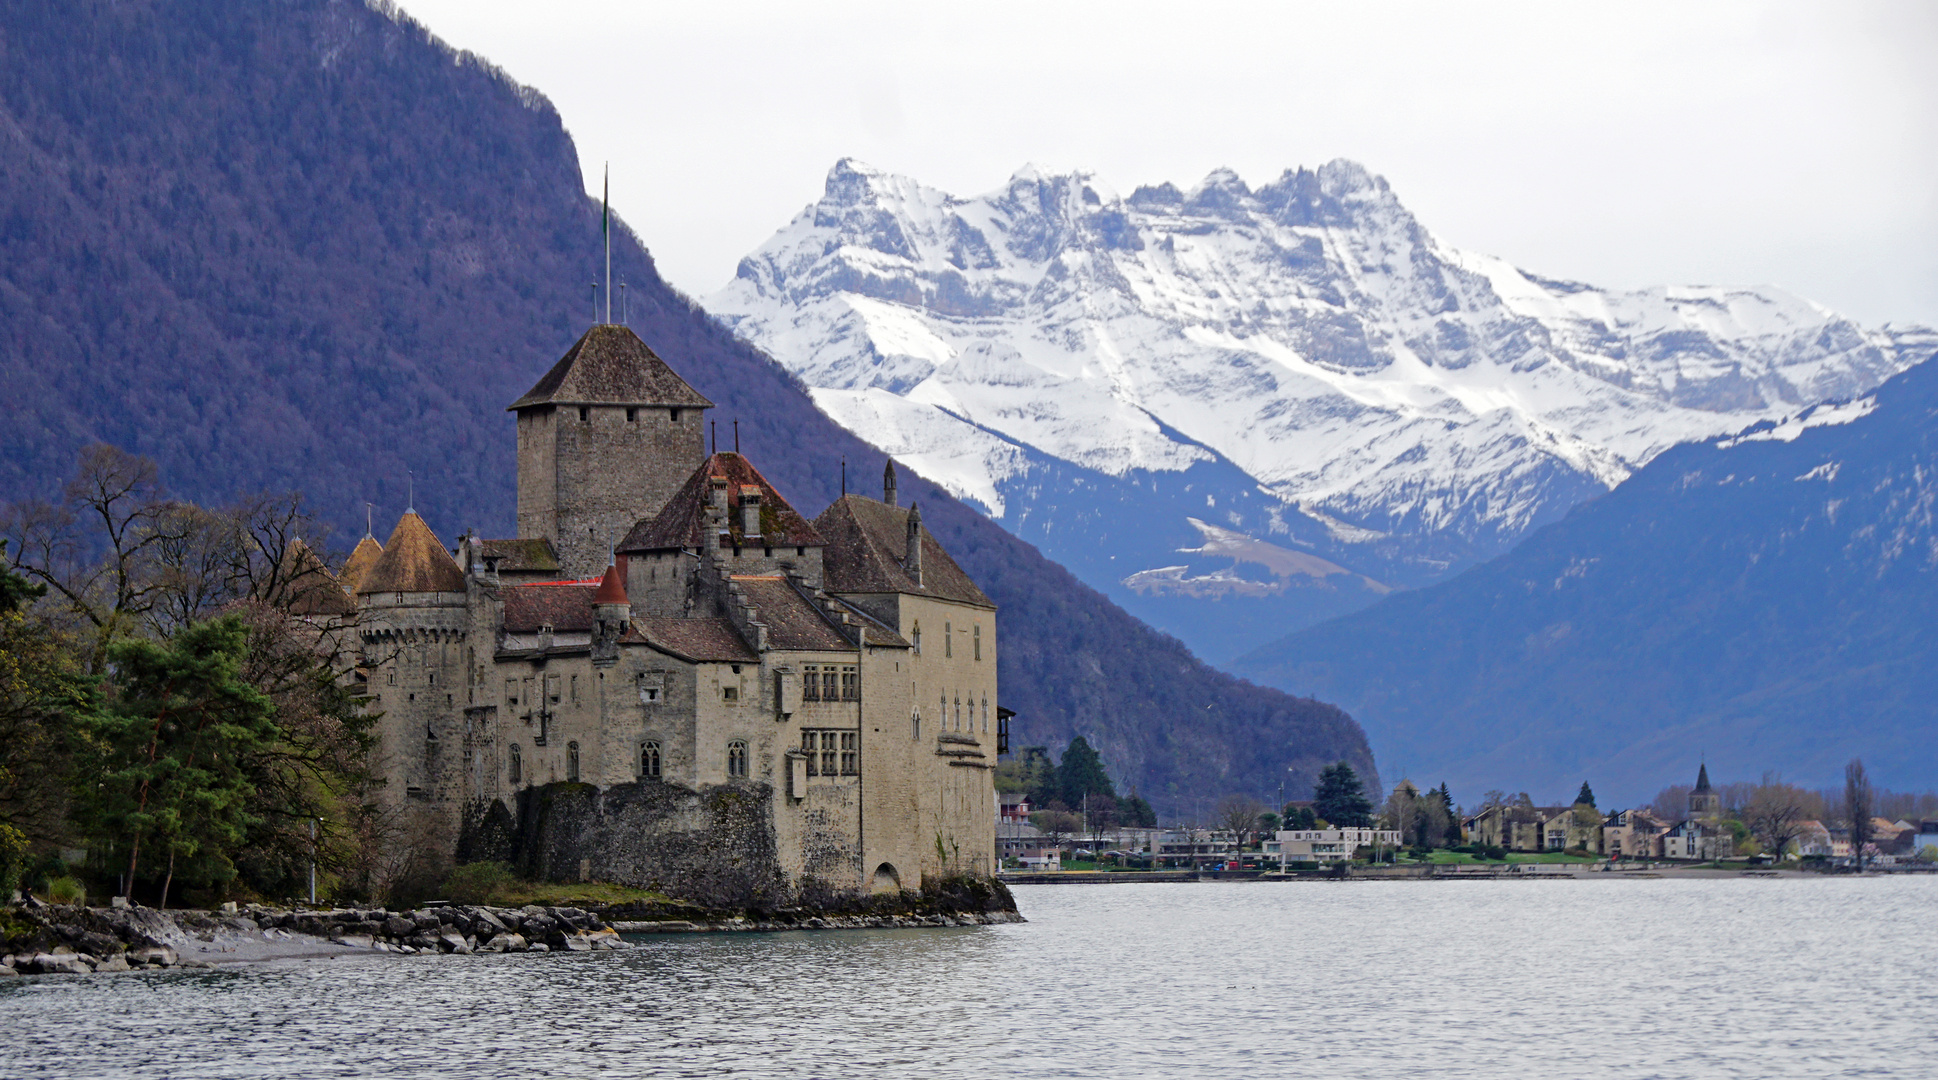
[604, 439]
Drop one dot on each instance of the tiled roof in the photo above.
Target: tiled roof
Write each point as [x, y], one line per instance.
[414, 561]
[792, 621]
[560, 605]
[515, 556]
[611, 366]
[365, 556]
[612, 587]
[696, 640]
[866, 542]
[681, 522]
[308, 587]
[879, 632]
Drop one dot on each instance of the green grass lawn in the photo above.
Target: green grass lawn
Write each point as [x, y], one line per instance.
[1461, 858]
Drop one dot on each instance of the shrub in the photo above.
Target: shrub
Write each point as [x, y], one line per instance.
[479, 883]
[65, 890]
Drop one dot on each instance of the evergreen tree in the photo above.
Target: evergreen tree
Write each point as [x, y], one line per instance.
[1586, 796]
[1299, 817]
[1080, 773]
[1135, 812]
[163, 759]
[1445, 795]
[1340, 799]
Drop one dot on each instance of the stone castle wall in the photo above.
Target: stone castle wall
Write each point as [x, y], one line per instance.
[583, 483]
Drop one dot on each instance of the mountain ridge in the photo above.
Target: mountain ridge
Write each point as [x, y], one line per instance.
[1388, 403]
[322, 250]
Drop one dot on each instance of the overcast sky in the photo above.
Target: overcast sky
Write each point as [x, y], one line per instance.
[1624, 144]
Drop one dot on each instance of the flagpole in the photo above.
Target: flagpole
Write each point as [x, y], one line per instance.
[605, 227]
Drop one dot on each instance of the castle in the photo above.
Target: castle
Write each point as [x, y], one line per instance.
[670, 677]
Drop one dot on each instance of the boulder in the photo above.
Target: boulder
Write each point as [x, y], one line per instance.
[453, 943]
[399, 927]
[571, 943]
[484, 923]
[423, 942]
[425, 920]
[355, 941]
[117, 962]
[59, 964]
[157, 956]
[604, 939]
[538, 946]
[6, 970]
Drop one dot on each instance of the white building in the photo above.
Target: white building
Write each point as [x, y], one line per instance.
[1326, 845]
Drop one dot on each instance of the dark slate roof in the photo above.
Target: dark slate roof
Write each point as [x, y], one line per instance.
[413, 561]
[1702, 778]
[866, 541]
[792, 620]
[694, 640]
[564, 606]
[522, 556]
[680, 523]
[611, 366]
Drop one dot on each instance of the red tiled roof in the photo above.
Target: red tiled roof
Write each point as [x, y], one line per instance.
[792, 620]
[563, 606]
[365, 556]
[612, 588]
[694, 640]
[611, 366]
[681, 522]
[866, 542]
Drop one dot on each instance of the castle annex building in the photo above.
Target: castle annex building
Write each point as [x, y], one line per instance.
[671, 676]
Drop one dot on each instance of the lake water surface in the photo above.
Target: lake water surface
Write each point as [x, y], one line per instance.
[1521, 979]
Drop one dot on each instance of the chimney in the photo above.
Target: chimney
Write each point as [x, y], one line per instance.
[714, 516]
[912, 561]
[888, 482]
[750, 512]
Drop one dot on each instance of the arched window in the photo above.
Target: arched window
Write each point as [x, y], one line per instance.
[517, 766]
[915, 724]
[736, 758]
[572, 762]
[649, 760]
[914, 637]
[942, 713]
[958, 714]
[978, 640]
[948, 640]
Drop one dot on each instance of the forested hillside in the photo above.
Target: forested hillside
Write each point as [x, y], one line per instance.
[305, 245]
[1764, 603]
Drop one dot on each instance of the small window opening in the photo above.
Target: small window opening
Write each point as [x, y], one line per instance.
[730, 693]
[585, 415]
[649, 760]
[977, 638]
[736, 758]
[948, 641]
[572, 762]
[673, 415]
[632, 415]
[800, 551]
[517, 765]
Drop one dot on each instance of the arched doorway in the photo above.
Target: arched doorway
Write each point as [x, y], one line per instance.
[886, 880]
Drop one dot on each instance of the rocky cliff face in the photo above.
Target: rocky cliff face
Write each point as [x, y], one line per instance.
[1234, 394]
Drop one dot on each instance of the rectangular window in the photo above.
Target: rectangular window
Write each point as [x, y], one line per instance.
[552, 689]
[828, 759]
[730, 694]
[810, 683]
[575, 689]
[809, 744]
[978, 641]
[948, 640]
[851, 753]
[632, 415]
[850, 684]
[830, 690]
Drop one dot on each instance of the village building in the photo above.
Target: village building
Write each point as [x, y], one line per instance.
[671, 673]
[1633, 834]
[1291, 846]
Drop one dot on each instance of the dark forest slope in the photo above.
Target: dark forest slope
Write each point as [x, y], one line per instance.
[302, 244]
[1771, 605]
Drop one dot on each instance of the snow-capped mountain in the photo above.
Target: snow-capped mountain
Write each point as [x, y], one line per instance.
[1290, 398]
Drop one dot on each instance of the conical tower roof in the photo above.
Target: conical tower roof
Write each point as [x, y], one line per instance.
[307, 586]
[612, 589]
[365, 556]
[414, 561]
[1702, 777]
[611, 366]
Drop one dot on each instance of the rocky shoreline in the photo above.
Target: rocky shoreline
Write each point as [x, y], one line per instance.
[47, 939]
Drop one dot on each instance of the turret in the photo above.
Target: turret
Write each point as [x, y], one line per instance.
[888, 482]
[611, 611]
[912, 559]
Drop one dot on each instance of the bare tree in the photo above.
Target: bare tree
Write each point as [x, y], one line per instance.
[1858, 801]
[92, 549]
[1056, 823]
[1672, 802]
[1239, 814]
[1775, 813]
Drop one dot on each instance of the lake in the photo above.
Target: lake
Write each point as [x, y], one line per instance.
[1534, 979]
